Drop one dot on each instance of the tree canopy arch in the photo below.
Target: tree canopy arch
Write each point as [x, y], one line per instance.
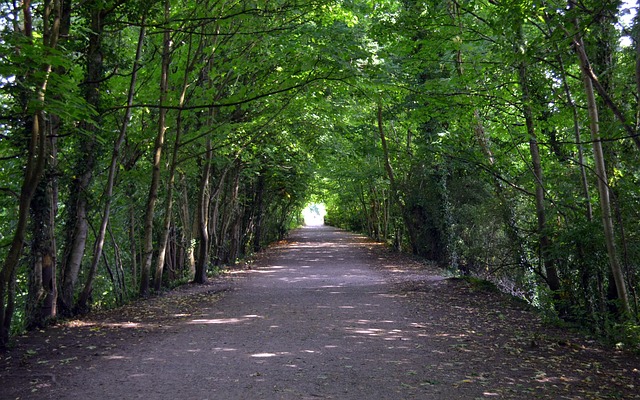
[146, 143]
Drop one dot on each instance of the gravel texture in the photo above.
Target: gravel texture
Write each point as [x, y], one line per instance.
[323, 315]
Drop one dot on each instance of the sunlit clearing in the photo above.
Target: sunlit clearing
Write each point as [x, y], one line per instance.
[313, 214]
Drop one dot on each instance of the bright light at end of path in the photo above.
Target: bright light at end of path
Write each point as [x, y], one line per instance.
[314, 214]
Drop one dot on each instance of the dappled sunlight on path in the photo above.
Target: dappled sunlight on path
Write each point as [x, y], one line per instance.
[327, 314]
[313, 319]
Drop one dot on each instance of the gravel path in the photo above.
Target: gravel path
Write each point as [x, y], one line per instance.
[329, 315]
[315, 322]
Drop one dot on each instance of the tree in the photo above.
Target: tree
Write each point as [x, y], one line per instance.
[147, 250]
[78, 204]
[34, 131]
[601, 172]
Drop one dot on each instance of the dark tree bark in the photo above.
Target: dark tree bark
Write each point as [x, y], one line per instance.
[147, 251]
[34, 162]
[202, 260]
[259, 210]
[82, 304]
[77, 224]
[406, 217]
[41, 299]
[544, 241]
[43, 289]
[600, 170]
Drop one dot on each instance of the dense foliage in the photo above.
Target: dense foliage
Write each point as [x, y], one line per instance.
[146, 143]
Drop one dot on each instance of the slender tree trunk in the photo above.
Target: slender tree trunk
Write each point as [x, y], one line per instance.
[365, 211]
[168, 210]
[605, 203]
[543, 235]
[587, 271]
[121, 288]
[216, 231]
[82, 305]
[147, 252]
[601, 174]
[133, 243]
[34, 166]
[203, 218]
[40, 304]
[43, 289]
[230, 213]
[408, 221]
[33, 173]
[189, 229]
[259, 210]
[578, 136]
[235, 217]
[77, 224]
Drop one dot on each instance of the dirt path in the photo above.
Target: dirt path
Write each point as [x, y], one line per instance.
[325, 315]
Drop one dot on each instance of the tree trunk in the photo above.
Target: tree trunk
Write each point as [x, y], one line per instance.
[259, 202]
[33, 172]
[133, 243]
[235, 218]
[77, 225]
[43, 289]
[203, 218]
[189, 229]
[41, 298]
[588, 272]
[480, 135]
[82, 305]
[168, 210]
[543, 236]
[395, 190]
[601, 174]
[147, 251]
[34, 165]
[217, 231]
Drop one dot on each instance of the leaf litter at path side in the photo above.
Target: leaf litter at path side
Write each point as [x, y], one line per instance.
[510, 351]
[39, 358]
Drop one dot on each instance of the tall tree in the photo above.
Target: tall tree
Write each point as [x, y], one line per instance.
[543, 233]
[147, 251]
[78, 205]
[43, 290]
[83, 300]
[35, 132]
[600, 170]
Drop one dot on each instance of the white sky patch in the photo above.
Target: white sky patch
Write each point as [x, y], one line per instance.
[314, 214]
[626, 13]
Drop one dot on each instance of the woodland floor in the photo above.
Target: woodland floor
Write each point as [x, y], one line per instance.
[325, 314]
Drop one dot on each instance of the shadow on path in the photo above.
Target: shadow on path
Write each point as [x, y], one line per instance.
[329, 314]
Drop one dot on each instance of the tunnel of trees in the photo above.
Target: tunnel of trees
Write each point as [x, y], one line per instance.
[145, 143]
